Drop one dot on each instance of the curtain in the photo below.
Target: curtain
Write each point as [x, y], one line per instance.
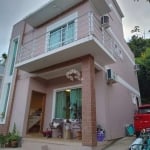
[60, 107]
[70, 32]
[75, 103]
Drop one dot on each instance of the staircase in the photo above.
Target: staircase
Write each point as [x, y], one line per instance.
[33, 120]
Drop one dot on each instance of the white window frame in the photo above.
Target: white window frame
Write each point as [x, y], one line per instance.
[54, 96]
[10, 56]
[60, 23]
[8, 78]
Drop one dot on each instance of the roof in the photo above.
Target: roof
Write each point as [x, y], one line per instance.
[118, 8]
[49, 11]
[55, 7]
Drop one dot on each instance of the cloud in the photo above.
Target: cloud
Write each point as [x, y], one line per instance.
[10, 13]
[136, 13]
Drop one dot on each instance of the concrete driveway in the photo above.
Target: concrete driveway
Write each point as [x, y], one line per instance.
[120, 144]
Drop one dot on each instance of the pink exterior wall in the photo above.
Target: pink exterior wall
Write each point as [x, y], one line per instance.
[114, 106]
[125, 69]
[117, 27]
[38, 46]
[110, 105]
[121, 110]
[23, 98]
[24, 87]
[19, 105]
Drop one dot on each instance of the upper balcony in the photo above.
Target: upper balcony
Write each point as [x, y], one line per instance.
[77, 37]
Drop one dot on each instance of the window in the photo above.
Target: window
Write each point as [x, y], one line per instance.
[62, 35]
[144, 110]
[68, 104]
[7, 89]
[15, 47]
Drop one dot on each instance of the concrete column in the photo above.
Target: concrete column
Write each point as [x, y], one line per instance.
[88, 102]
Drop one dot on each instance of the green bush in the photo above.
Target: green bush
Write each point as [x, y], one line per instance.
[2, 140]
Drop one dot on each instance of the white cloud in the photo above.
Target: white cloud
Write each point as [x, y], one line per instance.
[10, 13]
[136, 13]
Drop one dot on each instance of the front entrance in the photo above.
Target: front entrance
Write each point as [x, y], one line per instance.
[36, 113]
[68, 104]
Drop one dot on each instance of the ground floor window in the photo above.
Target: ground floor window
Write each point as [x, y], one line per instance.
[68, 104]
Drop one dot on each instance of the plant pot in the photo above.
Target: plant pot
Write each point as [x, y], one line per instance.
[79, 135]
[67, 134]
[8, 144]
[14, 143]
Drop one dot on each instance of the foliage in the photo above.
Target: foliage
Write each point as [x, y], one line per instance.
[144, 75]
[14, 136]
[136, 29]
[2, 140]
[138, 45]
[141, 50]
[77, 111]
[3, 58]
[12, 139]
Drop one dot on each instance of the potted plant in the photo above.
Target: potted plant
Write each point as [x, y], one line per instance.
[13, 137]
[77, 114]
[7, 141]
[14, 140]
[2, 141]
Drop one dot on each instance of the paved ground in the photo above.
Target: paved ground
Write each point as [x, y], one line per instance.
[120, 144]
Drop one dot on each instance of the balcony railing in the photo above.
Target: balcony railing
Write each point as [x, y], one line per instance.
[85, 26]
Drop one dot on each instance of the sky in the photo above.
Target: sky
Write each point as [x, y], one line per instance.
[12, 11]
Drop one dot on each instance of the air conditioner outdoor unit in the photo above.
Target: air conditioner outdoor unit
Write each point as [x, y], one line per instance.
[136, 67]
[105, 21]
[111, 76]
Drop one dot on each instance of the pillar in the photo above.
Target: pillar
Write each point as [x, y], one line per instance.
[88, 102]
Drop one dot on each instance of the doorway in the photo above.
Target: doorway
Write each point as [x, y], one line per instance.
[68, 104]
[36, 113]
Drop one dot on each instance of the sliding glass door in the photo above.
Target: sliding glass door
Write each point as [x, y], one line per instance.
[63, 35]
[68, 104]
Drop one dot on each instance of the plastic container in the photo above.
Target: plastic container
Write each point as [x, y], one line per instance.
[100, 136]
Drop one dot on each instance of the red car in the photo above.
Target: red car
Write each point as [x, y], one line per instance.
[142, 119]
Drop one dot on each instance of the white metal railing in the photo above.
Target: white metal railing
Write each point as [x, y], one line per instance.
[86, 25]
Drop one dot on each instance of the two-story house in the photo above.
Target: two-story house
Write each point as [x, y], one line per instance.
[69, 60]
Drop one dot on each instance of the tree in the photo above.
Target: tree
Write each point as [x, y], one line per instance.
[136, 29]
[138, 45]
[3, 58]
[141, 49]
[144, 75]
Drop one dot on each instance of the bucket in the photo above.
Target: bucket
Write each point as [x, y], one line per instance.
[100, 136]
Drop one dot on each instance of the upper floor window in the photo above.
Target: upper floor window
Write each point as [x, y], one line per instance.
[13, 56]
[62, 32]
[62, 35]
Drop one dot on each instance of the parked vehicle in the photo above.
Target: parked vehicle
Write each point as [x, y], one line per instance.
[142, 119]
